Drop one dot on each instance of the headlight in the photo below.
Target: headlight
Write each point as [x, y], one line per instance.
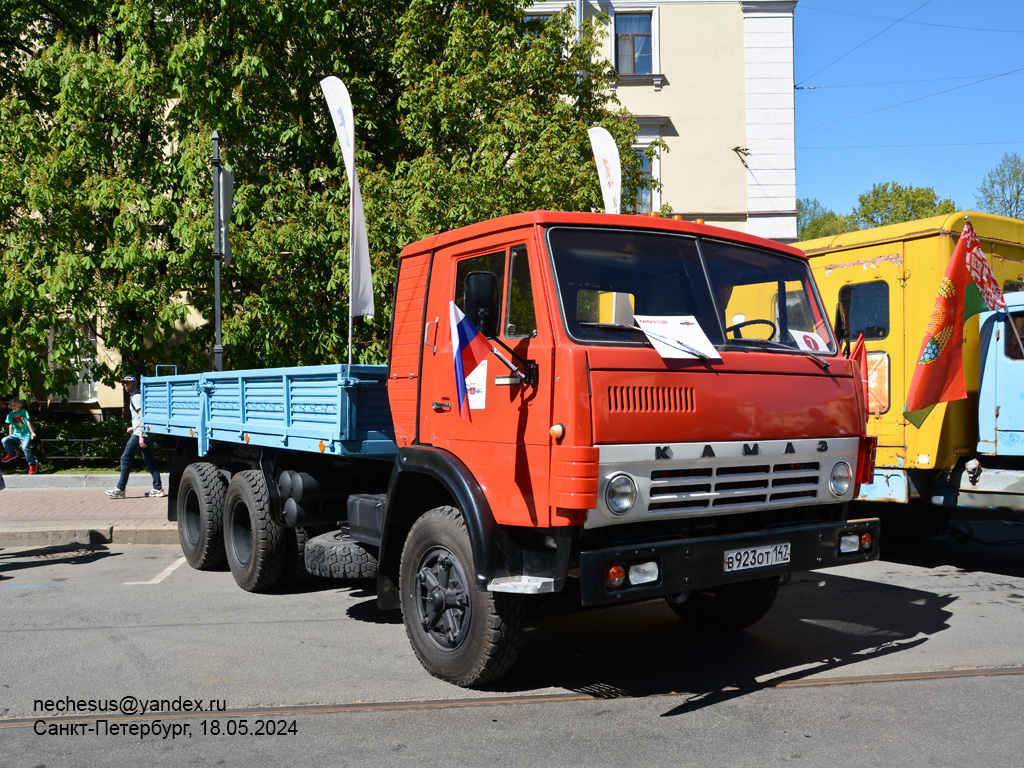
[620, 494]
[839, 482]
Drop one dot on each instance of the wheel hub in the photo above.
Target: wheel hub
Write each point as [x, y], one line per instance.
[443, 598]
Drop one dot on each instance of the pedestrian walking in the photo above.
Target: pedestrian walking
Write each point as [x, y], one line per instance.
[19, 431]
[137, 442]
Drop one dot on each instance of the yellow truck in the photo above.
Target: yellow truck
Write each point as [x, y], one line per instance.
[969, 454]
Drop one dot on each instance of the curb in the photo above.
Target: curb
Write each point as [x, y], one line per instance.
[111, 534]
[70, 482]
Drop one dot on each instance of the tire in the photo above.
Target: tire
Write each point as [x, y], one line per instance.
[254, 543]
[335, 556]
[730, 607]
[459, 633]
[200, 512]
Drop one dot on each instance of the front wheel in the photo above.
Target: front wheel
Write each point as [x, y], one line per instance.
[730, 607]
[459, 633]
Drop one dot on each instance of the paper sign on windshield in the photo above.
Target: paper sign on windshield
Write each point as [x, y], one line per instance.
[677, 336]
[809, 341]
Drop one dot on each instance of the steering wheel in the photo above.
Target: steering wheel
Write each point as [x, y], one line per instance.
[736, 328]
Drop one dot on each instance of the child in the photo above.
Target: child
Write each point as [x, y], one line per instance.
[19, 430]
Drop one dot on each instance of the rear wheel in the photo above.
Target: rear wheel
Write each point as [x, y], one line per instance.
[255, 544]
[200, 508]
[730, 607]
[460, 634]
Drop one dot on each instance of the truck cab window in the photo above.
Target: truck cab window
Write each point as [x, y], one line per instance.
[867, 309]
[604, 276]
[1010, 346]
[521, 321]
[766, 297]
[492, 262]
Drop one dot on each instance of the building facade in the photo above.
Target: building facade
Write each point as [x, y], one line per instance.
[714, 80]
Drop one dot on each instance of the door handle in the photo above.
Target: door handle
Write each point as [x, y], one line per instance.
[442, 406]
[426, 330]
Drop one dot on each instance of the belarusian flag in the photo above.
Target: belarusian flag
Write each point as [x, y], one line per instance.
[969, 287]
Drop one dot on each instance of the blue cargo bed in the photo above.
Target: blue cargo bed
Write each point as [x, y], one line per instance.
[335, 410]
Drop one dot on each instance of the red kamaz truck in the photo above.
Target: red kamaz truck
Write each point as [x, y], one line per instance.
[583, 459]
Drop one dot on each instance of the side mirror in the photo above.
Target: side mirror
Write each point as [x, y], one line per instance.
[482, 302]
[839, 326]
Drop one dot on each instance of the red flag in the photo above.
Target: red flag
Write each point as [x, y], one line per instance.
[969, 287]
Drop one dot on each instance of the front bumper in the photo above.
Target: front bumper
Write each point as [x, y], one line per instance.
[688, 564]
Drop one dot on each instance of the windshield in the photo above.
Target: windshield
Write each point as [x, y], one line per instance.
[739, 295]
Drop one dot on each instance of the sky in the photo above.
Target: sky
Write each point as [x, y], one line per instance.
[925, 93]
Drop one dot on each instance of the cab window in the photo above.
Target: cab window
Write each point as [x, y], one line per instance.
[866, 306]
[521, 321]
[491, 262]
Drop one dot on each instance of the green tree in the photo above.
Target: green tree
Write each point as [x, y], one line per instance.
[815, 220]
[1002, 191]
[463, 111]
[892, 203]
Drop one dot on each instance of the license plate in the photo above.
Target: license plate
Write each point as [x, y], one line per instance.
[756, 557]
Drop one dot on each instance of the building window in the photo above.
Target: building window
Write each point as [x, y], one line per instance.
[633, 44]
[642, 202]
[85, 391]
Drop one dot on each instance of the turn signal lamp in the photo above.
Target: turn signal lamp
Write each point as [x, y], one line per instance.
[615, 575]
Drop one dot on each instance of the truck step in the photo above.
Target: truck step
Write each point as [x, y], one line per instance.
[335, 555]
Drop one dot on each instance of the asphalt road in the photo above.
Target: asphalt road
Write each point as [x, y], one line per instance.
[916, 660]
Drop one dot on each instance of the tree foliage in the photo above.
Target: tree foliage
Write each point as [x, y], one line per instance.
[463, 111]
[892, 203]
[1002, 191]
[815, 220]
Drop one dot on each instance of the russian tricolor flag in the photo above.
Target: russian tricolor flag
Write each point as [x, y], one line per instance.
[470, 348]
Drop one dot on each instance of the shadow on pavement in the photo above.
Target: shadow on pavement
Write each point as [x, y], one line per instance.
[72, 554]
[820, 623]
[987, 546]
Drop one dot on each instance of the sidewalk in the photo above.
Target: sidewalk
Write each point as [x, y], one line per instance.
[41, 510]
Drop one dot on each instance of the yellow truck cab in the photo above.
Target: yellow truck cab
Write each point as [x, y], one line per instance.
[886, 280]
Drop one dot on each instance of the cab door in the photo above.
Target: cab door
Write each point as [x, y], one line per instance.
[503, 436]
[874, 303]
[1000, 399]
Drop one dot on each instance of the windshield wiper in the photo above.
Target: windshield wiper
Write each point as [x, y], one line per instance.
[663, 339]
[825, 364]
[619, 326]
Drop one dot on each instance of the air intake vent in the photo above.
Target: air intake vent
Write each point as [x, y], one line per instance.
[651, 400]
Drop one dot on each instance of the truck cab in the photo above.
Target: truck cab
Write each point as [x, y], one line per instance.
[610, 457]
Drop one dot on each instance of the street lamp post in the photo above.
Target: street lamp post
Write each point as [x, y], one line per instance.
[218, 253]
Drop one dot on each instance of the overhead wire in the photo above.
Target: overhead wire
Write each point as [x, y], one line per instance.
[865, 42]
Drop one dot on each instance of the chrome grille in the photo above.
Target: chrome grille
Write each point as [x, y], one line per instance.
[732, 485]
